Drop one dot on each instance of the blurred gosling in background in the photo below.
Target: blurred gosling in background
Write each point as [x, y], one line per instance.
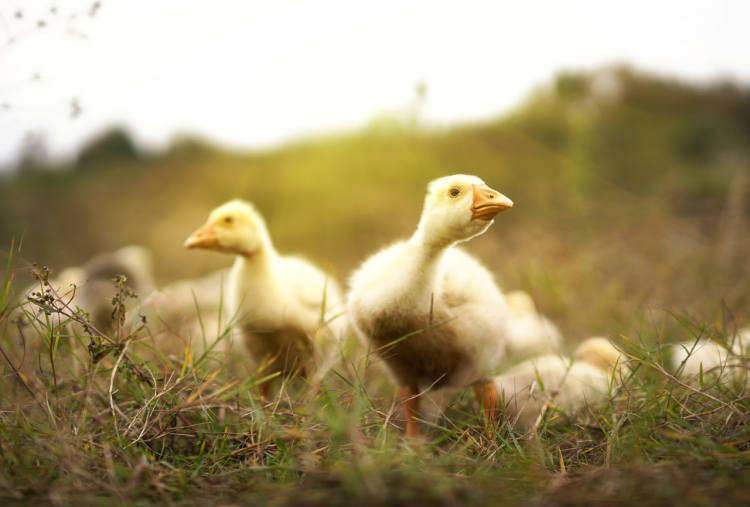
[717, 361]
[186, 317]
[529, 332]
[91, 287]
[567, 384]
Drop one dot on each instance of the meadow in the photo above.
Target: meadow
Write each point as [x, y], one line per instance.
[631, 219]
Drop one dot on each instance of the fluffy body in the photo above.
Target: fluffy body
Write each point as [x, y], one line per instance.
[91, 287]
[529, 332]
[278, 303]
[565, 384]
[600, 352]
[568, 384]
[95, 293]
[449, 305]
[715, 360]
[189, 313]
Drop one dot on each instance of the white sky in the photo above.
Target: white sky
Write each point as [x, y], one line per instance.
[252, 74]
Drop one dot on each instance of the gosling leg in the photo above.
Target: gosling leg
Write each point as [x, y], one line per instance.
[410, 404]
[486, 394]
[265, 390]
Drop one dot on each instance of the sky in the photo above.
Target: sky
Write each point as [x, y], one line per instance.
[251, 75]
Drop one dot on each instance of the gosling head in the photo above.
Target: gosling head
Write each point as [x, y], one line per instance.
[234, 227]
[520, 303]
[599, 351]
[459, 207]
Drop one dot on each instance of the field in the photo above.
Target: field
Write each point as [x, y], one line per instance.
[631, 221]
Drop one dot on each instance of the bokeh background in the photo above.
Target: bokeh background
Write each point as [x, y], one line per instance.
[622, 133]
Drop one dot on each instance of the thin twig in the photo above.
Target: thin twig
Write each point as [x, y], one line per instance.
[111, 387]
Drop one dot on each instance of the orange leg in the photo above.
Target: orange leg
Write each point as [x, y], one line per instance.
[407, 395]
[265, 389]
[486, 394]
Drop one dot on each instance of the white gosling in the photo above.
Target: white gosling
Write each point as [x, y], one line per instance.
[189, 315]
[91, 288]
[431, 311]
[567, 384]
[95, 293]
[714, 359]
[529, 332]
[278, 301]
[599, 351]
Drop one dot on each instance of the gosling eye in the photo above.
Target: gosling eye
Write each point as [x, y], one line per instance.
[228, 220]
[453, 192]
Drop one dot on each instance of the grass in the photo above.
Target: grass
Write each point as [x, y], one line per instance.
[630, 222]
[132, 426]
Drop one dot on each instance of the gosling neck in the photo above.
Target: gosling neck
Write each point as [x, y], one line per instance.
[259, 264]
[430, 247]
[424, 256]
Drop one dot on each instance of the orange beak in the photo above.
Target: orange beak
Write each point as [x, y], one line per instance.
[488, 203]
[205, 237]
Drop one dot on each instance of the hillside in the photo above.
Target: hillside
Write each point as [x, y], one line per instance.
[631, 193]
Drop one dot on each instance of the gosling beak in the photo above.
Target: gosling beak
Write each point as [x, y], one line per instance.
[205, 237]
[488, 203]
